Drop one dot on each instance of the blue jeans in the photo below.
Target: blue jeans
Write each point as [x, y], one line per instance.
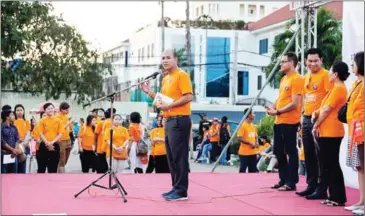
[206, 149]
[223, 159]
[9, 168]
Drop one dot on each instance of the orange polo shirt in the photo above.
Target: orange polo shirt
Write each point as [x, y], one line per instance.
[175, 85]
[120, 135]
[316, 87]
[23, 127]
[289, 86]
[213, 129]
[249, 133]
[64, 120]
[158, 148]
[87, 136]
[50, 127]
[331, 126]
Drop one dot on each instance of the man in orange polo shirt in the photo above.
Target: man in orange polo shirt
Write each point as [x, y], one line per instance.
[316, 87]
[287, 109]
[176, 85]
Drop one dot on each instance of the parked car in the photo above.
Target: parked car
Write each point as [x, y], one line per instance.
[232, 124]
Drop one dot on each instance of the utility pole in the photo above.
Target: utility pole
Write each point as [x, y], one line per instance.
[188, 52]
[233, 72]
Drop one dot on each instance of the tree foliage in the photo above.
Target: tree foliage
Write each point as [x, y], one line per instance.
[55, 57]
[329, 41]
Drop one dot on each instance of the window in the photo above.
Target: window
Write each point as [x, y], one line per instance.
[263, 46]
[139, 55]
[242, 9]
[202, 10]
[242, 85]
[213, 8]
[142, 54]
[197, 11]
[152, 50]
[209, 8]
[252, 10]
[148, 51]
[259, 82]
[262, 10]
[218, 67]
[217, 8]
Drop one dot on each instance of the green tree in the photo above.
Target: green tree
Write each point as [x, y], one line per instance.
[329, 40]
[55, 57]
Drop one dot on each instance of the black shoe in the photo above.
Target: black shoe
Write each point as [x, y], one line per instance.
[278, 185]
[316, 196]
[306, 192]
[168, 193]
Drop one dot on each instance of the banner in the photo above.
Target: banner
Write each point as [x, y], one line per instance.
[352, 42]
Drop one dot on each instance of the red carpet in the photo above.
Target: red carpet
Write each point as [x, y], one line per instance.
[209, 194]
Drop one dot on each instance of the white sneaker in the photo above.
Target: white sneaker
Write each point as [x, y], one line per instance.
[352, 208]
[359, 211]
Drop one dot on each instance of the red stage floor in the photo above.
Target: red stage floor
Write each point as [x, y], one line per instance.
[209, 194]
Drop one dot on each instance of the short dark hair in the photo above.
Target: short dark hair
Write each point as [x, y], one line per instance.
[46, 105]
[313, 51]
[359, 61]
[292, 57]
[341, 69]
[135, 117]
[247, 110]
[107, 113]
[64, 106]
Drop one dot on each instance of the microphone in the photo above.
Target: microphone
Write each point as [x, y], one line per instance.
[154, 75]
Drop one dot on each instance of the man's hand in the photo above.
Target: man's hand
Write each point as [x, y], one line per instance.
[145, 87]
[271, 111]
[163, 106]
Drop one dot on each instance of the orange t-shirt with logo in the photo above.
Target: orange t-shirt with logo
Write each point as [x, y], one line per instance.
[87, 136]
[135, 131]
[23, 127]
[316, 87]
[331, 126]
[120, 135]
[175, 85]
[158, 148]
[289, 86]
[213, 130]
[249, 133]
[51, 127]
[64, 120]
[99, 132]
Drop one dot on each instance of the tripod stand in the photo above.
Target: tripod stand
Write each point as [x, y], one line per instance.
[110, 171]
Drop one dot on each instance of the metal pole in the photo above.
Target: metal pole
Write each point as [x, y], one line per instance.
[315, 27]
[233, 74]
[272, 73]
[162, 27]
[302, 44]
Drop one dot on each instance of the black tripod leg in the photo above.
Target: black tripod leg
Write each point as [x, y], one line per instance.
[116, 179]
[92, 183]
[119, 188]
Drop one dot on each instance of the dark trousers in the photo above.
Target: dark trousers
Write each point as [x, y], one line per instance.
[249, 161]
[102, 164]
[158, 163]
[48, 160]
[88, 161]
[8, 168]
[216, 150]
[331, 173]
[310, 152]
[285, 144]
[177, 131]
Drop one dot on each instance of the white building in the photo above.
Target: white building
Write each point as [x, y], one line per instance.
[212, 56]
[249, 11]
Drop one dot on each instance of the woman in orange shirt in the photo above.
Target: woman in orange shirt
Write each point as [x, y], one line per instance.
[355, 120]
[119, 148]
[23, 127]
[158, 157]
[331, 132]
[86, 141]
[136, 133]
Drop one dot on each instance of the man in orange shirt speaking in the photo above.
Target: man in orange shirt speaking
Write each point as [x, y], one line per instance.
[177, 86]
[287, 109]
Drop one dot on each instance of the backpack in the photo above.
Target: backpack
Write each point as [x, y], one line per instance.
[223, 135]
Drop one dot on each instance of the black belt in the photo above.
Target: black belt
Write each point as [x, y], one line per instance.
[307, 116]
[176, 117]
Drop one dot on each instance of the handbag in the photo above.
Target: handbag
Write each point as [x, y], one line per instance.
[342, 112]
[142, 148]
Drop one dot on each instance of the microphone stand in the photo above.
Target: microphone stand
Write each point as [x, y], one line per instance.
[110, 171]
